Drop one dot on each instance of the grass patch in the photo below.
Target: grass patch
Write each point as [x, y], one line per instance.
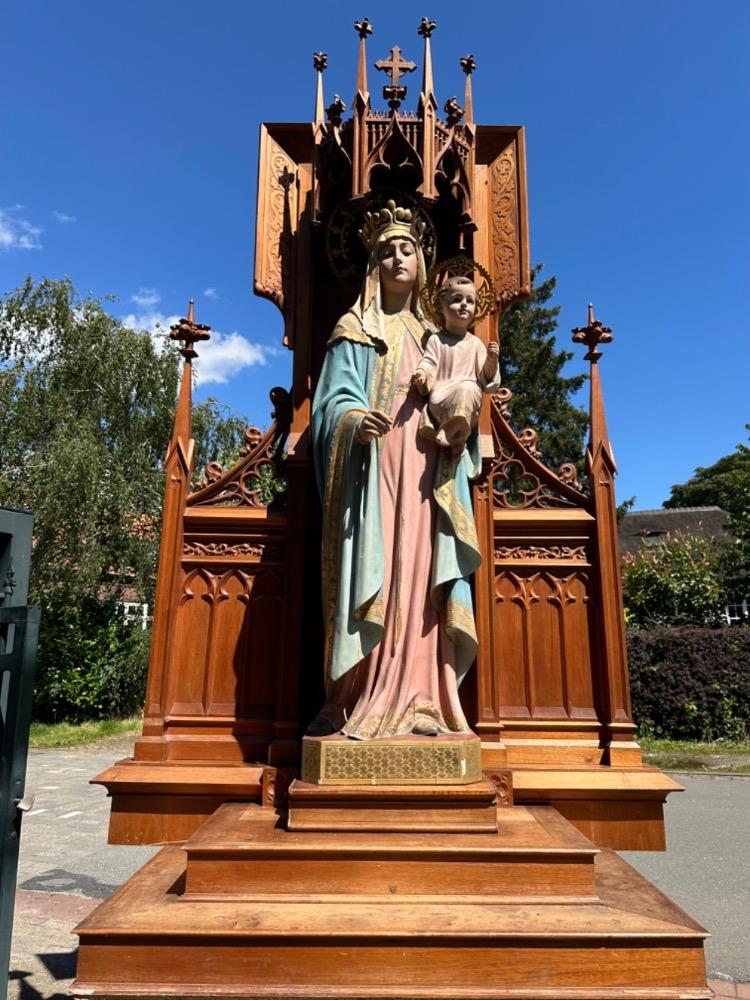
[44, 735]
[716, 757]
[691, 746]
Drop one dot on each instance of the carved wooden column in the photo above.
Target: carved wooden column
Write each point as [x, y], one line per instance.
[613, 686]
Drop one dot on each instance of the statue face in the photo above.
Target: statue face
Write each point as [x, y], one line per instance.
[398, 265]
[459, 306]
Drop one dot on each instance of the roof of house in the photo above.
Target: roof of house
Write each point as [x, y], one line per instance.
[652, 526]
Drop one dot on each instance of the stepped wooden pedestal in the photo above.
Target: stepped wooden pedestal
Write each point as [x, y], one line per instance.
[527, 909]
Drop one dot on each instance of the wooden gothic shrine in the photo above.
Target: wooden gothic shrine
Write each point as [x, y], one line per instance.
[498, 879]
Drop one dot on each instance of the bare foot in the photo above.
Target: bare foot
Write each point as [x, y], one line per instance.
[442, 439]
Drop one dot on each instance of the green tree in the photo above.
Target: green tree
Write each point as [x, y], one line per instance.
[86, 408]
[219, 432]
[678, 582]
[725, 484]
[532, 368]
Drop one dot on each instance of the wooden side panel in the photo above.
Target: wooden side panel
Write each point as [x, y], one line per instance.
[541, 634]
[192, 632]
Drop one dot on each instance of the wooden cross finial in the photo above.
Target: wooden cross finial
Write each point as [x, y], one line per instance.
[189, 332]
[395, 92]
[592, 335]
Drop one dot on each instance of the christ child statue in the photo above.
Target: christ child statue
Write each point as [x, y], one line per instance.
[455, 370]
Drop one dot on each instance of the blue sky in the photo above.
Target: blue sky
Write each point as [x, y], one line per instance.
[129, 162]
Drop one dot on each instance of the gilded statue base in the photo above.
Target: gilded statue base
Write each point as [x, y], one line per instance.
[409, 760]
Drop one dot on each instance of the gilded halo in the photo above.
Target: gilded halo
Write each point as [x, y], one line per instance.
[453, 267]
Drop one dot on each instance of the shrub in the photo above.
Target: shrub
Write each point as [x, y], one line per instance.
[90, 664]
[691, 683]
[678, 582]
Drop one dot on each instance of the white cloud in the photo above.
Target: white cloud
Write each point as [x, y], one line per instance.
[146, 298]
[63, 217]
[210, 293]
[16, 232]
[219, 359]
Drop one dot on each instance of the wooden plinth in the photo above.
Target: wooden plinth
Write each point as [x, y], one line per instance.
[394, 808]
[157, 803]
[246, 851]
[411, 760]
[249, 909]
[621, 808]
[166, 802]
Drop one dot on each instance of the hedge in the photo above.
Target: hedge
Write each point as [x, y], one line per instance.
[691, 683]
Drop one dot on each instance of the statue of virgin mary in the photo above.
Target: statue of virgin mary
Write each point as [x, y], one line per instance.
[399, 540]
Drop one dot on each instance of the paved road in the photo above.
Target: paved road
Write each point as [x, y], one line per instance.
[66, 866]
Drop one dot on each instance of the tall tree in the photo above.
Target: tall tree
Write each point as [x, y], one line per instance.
[532, 368]
[86, 409]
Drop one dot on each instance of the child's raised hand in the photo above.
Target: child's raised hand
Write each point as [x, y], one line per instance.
[493, 348]
[419, 381]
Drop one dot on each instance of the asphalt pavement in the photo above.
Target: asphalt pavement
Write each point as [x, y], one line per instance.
[66, 866]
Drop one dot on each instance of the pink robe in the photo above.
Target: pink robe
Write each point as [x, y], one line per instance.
[408, 681]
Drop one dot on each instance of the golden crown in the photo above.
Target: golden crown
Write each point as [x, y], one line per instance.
[389, 222]
[453, 267]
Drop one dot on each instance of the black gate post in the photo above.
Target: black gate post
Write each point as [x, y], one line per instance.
[19, 631]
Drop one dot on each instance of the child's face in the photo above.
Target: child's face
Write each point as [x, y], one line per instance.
[459, 307]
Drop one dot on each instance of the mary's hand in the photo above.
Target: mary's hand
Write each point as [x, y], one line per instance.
[374, 425]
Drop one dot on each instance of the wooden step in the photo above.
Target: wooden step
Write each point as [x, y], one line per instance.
[245, 850]
[150, 940]
[468, 808]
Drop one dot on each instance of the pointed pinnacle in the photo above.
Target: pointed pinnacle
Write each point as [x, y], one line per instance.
[591, 313]
[191, 311]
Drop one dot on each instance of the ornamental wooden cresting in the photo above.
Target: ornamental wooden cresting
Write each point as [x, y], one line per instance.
[235, 670]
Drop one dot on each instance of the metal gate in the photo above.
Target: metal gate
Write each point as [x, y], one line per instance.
[19, 629]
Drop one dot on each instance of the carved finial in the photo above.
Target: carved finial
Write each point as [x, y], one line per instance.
[426, 27]
[468, 65]
[320, 62]
[592, 335]
[453, 112]
[395, 66]
[363, 28]
[189, 332]
[335, 110]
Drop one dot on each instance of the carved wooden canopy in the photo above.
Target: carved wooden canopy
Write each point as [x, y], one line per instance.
[317, 180]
